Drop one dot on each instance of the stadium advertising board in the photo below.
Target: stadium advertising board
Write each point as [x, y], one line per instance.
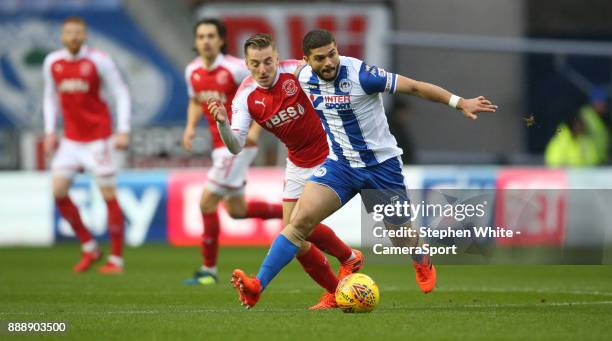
[359, 30]
[26, 209]
[533, 201]
[164, 206]
[142, 197]
[184, 218]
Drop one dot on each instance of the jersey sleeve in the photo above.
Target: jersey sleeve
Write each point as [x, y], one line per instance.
[289, 65]
[190, 91]
[114, 82]
[50, 101]
[241, 118]
[234, 136]
[374, 79]
[240, 74]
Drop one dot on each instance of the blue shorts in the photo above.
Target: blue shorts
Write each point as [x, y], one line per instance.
[379, 184]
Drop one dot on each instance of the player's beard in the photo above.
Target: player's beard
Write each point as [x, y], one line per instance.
[74, 47]
[333, 70]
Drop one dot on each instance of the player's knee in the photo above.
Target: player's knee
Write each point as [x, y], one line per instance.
[207, 206]
[59, 194]
[108, 192]
[295, 235]
[60, 191]
[235, 211]
[303, 221]
[208, 202]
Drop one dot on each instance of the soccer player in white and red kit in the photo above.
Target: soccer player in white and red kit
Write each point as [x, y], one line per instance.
[272, 97]
[74, 79]
[214, 74]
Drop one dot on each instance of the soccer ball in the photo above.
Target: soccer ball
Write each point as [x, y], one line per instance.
[357, 293]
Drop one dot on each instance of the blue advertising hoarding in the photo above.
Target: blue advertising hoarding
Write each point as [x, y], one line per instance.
[143, 197]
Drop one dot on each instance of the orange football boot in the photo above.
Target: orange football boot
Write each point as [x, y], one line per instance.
[249, 288]
[110, 269]
[351, 266]
[87, 260]
[327, 301]
[425, 275]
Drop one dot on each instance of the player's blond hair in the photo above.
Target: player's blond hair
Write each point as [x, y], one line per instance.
[76, 20]
[259, 41]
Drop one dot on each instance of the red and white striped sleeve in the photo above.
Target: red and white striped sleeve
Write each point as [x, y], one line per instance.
[236, 67]
[188, 71]
[113, 81]
[235, 136]
[289, 65]
[50, 97]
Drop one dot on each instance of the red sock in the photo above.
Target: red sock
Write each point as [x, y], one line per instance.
[317, 266]
[71, 213]
[115, 226]
[264, 210]
[210, 238]
[326, 239]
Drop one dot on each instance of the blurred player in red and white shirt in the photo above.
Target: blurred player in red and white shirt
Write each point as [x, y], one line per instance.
[74, 79]
[214, 74]
[273, 98]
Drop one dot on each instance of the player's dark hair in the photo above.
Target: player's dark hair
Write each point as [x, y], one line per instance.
[315, 39]
[74, 19]
[258, 41]
[221, 30]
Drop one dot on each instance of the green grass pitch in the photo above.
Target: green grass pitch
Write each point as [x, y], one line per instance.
[150, 302]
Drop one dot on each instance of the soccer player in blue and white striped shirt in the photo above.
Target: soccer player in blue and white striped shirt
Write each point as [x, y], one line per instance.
[363, 158]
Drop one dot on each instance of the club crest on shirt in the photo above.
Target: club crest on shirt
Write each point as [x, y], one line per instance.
[85, 69]
[345, 85]
[321, 171]
[289, 87]
[222, 77]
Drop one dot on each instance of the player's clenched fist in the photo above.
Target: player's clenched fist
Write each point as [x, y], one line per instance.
[472, 106]
[122, 140]
[217, 110]
[188, 137]
[50, 143]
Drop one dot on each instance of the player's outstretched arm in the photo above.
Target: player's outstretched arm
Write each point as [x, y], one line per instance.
[470, 107]
[50, 108]
[194, 113]
[234, 139]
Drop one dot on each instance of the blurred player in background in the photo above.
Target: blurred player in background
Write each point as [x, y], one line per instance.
[273, 98]
[214, 74]
[345, 93]
[74, 79]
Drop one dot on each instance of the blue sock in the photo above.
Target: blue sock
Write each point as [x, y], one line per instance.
[281, 253]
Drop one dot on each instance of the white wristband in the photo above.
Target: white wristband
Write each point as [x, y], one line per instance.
[454, 100]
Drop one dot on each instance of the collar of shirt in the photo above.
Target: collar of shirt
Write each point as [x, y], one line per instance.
[218, 60]
[82, 52]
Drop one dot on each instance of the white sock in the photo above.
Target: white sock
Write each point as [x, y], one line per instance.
[353, 255]
[117, 260]
[89, 246]
[210, 269]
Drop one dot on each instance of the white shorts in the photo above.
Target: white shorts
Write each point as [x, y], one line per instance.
[227, 176]
[295, 180]
[96, 157]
